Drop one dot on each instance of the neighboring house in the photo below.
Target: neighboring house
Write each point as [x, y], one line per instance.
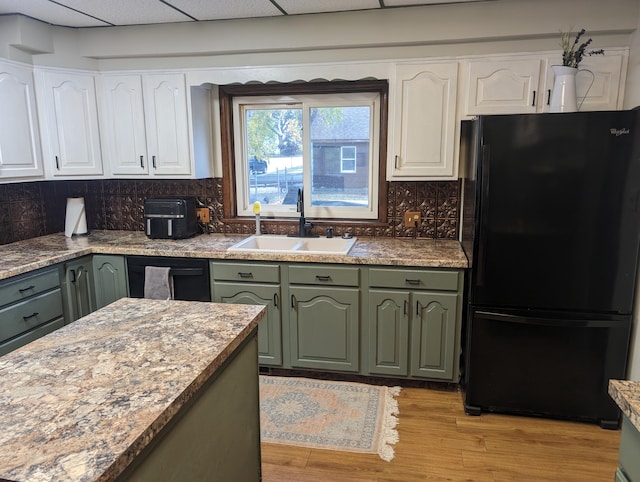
[341, 150]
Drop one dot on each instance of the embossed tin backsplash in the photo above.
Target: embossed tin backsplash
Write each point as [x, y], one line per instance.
[32, 209]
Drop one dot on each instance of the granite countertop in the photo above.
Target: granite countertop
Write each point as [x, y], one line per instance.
[23, 256]
[626, 393]
[82, 402]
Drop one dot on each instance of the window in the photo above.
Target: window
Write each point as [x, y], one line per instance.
[348, 159]
[325, 143]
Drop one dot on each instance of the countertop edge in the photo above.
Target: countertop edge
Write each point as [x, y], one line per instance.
[626, 394]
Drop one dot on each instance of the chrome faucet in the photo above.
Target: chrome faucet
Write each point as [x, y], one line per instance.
[305, 227]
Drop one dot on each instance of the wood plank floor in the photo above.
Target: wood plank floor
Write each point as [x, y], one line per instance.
[438, 442]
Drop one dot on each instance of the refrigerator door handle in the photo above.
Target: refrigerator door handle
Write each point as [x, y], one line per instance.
[542, 321]
[482, 229]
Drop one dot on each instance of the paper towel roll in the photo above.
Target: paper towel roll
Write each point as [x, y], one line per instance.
[76, 219]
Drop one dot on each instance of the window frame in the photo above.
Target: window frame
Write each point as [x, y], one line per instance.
[228, 142]
[350, 159]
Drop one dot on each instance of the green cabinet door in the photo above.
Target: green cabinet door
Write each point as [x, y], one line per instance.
[110, 277]
[433, 335]
[270, 328]
[79, 288]
[388, 332]
[324, 328]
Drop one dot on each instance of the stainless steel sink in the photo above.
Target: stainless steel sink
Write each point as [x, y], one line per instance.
[285, 244]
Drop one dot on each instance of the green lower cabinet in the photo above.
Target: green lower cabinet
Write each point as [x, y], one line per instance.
[110, 278]
[270, 328]
[79, 288]
[389, 333]
[324, 328]
[433, 335]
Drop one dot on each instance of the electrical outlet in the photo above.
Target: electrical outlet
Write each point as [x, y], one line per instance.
[412, 219]
[204, 215]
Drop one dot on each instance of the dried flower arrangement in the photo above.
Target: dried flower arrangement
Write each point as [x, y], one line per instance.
[572, 53]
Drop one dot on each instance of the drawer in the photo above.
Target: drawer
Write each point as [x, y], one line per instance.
[318, 274]
[29, 314]
[25, 338]
[250, 272]
[26, 286]
[419, 279]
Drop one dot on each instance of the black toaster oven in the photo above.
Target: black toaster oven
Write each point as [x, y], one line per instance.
[171, 217]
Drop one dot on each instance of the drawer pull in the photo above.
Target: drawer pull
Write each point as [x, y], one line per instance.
[22, 290]
[32, 315]
[245, 274]
[323, 278]
[412, 282]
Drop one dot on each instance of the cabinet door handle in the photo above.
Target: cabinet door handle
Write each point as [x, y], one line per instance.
[417, 308]
[22, 290]
[142, 161]
[548, 96]
[32, 315]
[533, 104]
[57, 163]
[395, 162]
[73, 275]
[153, 161]
[245, 274]
[412, 282]
[406, 307]
[275, 300]
[323, 277]
[293, 301]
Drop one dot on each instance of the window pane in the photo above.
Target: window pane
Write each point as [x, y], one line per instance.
[274, 155]
[340, 152]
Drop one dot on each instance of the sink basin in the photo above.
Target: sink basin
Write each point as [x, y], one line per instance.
[289, 245]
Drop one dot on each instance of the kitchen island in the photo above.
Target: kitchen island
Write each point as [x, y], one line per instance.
[626, 394]
[139, 390]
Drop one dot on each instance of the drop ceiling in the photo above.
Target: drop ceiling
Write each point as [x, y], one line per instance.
[109, 13]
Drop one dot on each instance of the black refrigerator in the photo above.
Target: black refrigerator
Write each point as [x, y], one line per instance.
[551, 227]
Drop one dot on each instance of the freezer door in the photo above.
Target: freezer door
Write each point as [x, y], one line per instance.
[540, 365]
[558, 219]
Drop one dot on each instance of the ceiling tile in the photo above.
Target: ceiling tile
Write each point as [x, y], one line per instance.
[48, 12]
[225, 9]
[405, 3]
[128, 12]
[294, 7]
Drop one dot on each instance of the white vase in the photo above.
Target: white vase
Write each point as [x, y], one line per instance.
[563, 96]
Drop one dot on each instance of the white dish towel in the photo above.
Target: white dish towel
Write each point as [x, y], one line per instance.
[158, 283]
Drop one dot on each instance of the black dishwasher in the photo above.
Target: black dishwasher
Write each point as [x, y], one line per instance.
[190, 276]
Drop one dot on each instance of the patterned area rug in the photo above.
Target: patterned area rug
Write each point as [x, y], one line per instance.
[329, 415]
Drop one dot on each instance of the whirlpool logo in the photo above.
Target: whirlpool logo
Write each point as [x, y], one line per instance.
[618, 132]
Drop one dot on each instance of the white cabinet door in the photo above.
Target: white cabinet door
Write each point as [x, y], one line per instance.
[69, 123]
[20, 154]
[167, 124]
[424, 130]
[504, 86]
[598, 82]
[125, 142]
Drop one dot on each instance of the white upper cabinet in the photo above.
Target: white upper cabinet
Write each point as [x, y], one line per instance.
[598, 81]
[20, 153]
[519, 84]
[423, 132]
[69, 123]
[149, 128]
[123, 131]
[504, 86]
